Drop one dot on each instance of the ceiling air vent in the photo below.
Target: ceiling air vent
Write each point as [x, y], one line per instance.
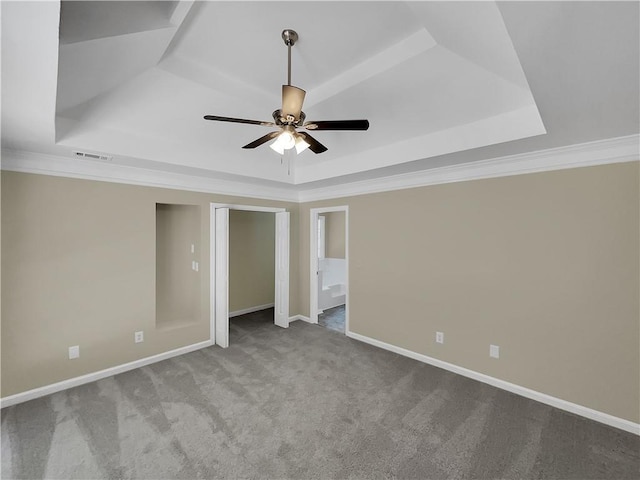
[94, 156]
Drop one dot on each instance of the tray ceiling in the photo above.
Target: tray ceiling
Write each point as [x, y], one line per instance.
[134, 79]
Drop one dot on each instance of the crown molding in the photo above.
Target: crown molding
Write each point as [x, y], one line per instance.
[600, 152]
[46, 164]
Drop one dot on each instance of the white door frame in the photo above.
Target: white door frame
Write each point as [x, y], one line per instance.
[220, 266]
[282, 257]
[212, 257]
[313, 262]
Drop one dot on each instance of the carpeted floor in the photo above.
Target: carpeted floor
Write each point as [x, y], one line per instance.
[333, 318]
[302, 403]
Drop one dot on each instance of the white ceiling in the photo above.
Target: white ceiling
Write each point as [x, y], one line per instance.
[440, 82]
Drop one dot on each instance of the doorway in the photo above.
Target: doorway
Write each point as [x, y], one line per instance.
[329, 272]
[219, 271]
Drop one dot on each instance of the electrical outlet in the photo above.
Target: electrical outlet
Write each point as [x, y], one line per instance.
[74, 352]
[138, 337]
[439, 337]
[197, 267]
[494, 351]
[193, 248]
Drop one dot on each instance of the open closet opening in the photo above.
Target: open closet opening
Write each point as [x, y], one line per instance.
[251, 270]
[248, 244]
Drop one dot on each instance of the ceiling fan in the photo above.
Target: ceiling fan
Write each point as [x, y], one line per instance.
[291, 117]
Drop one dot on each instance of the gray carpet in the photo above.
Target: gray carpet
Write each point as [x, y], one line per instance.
[333, 318]
[302, 403]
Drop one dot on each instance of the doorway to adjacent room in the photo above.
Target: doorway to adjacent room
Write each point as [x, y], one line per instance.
[329, 285]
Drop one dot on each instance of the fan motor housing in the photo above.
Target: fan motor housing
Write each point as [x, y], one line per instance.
[281, 121]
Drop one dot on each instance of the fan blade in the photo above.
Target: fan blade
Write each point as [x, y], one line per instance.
[239, 120]
[338, 125]
[314, 145]
[292, 98]
[261, 140]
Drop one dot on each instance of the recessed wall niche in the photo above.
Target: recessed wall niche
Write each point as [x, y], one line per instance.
[178, 269]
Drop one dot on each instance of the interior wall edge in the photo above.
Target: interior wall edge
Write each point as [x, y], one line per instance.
[550, 400]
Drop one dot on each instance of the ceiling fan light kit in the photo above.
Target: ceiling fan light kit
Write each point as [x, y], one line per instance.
[290, 117]
[285, 140]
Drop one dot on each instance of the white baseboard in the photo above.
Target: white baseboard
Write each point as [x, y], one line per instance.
[250, 310]
[299, 317]
[601, 417]
[92, 377]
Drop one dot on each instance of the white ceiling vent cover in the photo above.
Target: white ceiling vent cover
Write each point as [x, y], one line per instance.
[94, 156]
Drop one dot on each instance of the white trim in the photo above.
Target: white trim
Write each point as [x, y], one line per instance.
[212, 272]
[321, 233]
[244, 311]
[59, 166]
[589, 413]
[340, 208]
[282, 271]
[92, 377]
[313, 265]
[248, 208]
[300, 317]
[347, 289]
[600, 152]
[221, 322]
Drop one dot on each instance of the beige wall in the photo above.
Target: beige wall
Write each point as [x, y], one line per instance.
[544, 265]
[334, 234]
[79, 266]
[251, 259]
